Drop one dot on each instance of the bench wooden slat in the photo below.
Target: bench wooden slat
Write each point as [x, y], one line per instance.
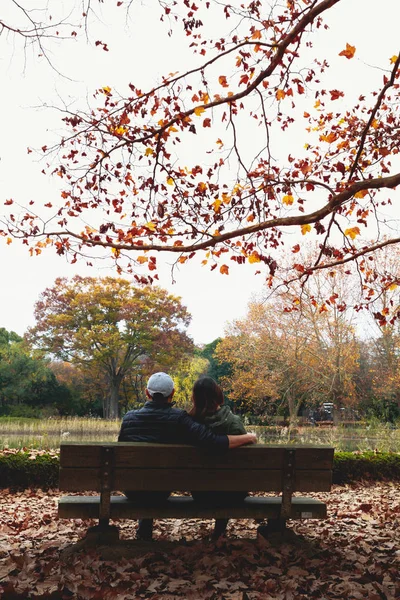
[87, 507]
[171, 456]
[186, 480]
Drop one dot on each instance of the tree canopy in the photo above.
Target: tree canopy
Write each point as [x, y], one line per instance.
[110, 329]
[256, 138]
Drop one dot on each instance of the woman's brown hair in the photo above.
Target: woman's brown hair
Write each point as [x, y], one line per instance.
[207, 397]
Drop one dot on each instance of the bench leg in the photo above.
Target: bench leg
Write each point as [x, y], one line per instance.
[273, 526]
[103, 533]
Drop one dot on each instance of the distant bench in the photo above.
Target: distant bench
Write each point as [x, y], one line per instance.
[142, 467]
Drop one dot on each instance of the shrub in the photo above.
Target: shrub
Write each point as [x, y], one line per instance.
[24, 469]
[373, 466]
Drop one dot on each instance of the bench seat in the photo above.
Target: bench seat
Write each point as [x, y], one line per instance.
[184, 507]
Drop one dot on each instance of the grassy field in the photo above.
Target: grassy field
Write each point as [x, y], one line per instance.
[49, 433]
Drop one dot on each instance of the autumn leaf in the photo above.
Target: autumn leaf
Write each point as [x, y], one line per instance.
[170, 181]
[217, 205]
[256, 35]
[348, 52]
[254, 258]
[151, 226]
[305, 228]
[288, 199]
[280, 94]
[352, 232]
[222, 81]
[361, 194]
[106, 90]
[199, 110]
[149, 151]
[142, 259]
[9, 241]
[393, 59]
[201, 186]
[392, 287]
[224, 269]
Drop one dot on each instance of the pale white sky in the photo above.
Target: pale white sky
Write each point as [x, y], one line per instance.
[141, 55]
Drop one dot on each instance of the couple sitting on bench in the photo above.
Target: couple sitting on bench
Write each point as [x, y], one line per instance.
[210, 425]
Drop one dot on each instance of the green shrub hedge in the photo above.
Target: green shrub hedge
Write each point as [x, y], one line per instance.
[27, 469]
[22, 470]
[372, 466]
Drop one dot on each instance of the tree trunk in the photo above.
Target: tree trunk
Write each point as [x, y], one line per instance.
[111, 408]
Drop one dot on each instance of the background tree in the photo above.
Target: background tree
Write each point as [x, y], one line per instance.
[321, 160]
[105, 325]
[296, 349]
[27, 384]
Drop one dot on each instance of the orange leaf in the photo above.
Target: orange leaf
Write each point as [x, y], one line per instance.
[349, 52]
[256, 35]
[222, 81]
[142, 259]
[224, 269]
[199, 110]
[280, 94]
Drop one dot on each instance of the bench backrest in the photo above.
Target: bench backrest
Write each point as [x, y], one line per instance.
[142, 466]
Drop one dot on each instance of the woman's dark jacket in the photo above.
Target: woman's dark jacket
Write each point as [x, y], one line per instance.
[162, 423]
[224, 421]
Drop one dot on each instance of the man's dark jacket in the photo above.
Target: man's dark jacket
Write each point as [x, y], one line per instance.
[159, 422]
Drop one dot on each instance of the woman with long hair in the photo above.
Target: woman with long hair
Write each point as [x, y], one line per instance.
[209, 408]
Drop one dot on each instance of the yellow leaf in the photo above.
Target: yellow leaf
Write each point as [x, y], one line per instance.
[305, 228]
[170, 181]
[392, 287]
[317, 104]
[280, 94]
[375, 123]
[120, 130]
[361, 194]
[116, 252]
[217, 205]
[199, 110]
[9, 241]
[288, 200]
[254, 258]
[352, 232]
[393, 59]
[150, 225]
[224, 269]
[142, 259]
[106, 89]
[149, 151]
[172, 129]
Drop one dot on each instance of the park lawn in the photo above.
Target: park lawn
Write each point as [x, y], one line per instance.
[354, 554]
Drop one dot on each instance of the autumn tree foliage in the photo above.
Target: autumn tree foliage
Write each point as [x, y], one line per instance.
[256, 138]
[110, 328]
[294, 357]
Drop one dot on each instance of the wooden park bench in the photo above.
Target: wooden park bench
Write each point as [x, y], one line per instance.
[105, 468]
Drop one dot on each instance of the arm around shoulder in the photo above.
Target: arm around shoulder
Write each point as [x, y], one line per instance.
[240, 440]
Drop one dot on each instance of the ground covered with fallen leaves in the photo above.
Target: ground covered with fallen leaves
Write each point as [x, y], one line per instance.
[355, 553]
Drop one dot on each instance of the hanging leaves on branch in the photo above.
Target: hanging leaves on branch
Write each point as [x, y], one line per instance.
[256, 138]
